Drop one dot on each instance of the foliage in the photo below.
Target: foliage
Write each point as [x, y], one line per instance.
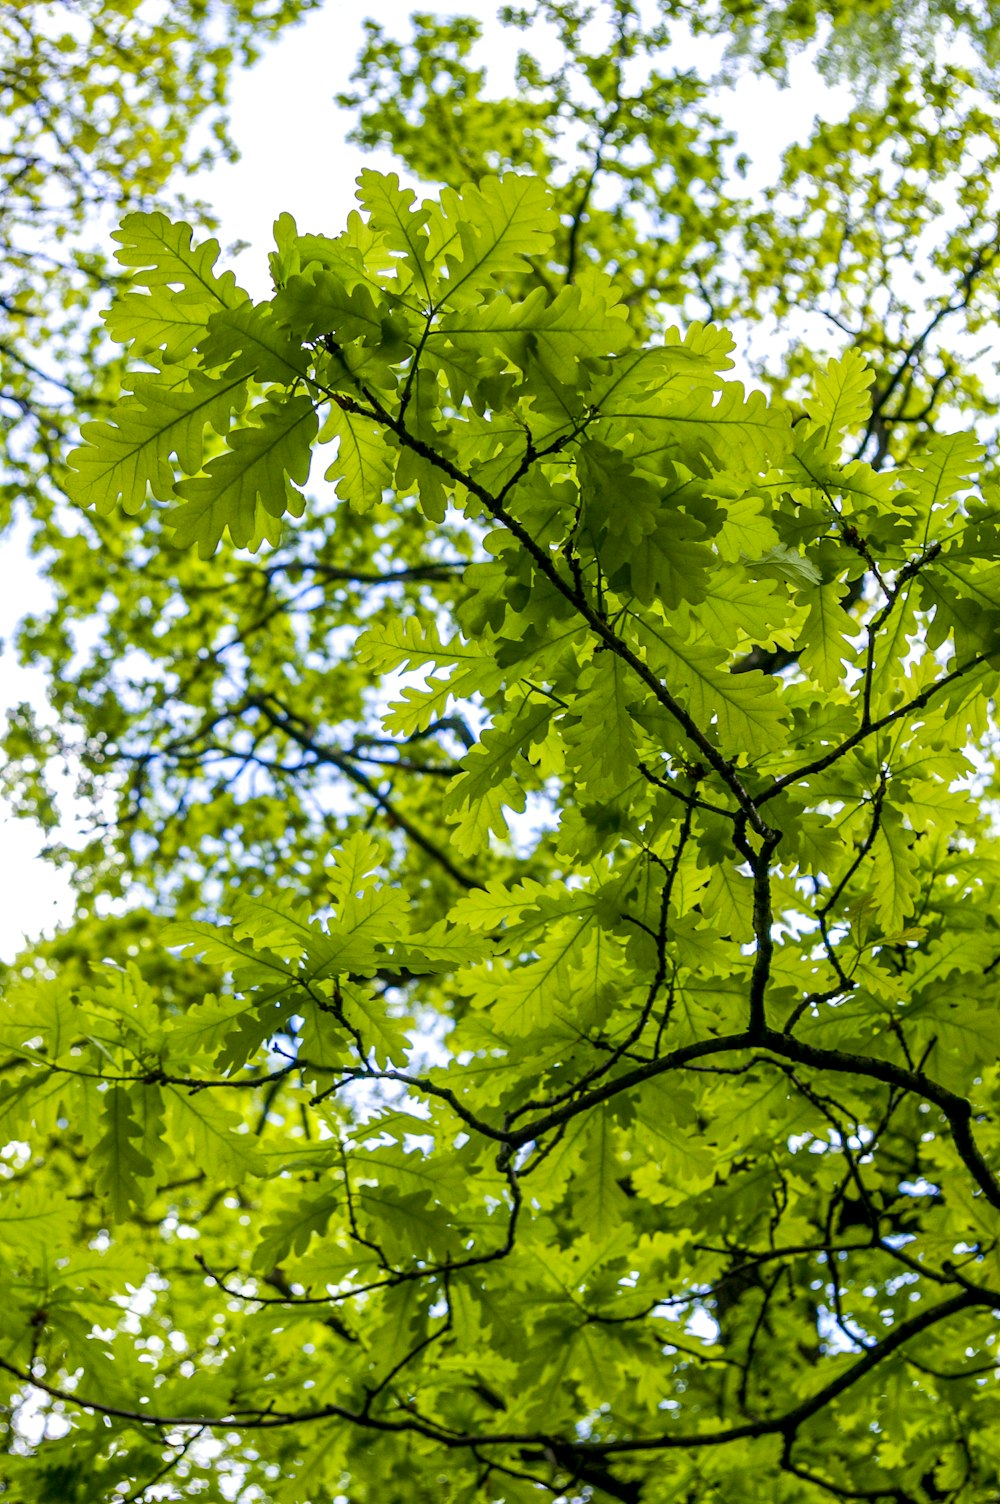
[530, 1026]
[103, 103]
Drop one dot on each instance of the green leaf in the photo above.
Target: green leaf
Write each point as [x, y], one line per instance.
[250, 485]
[602, 745]
[119, 1165]
[203, 1029]
[364, 465]
[215, 1136]
[488, 229]
[161, 255]
[39, 1020]
[489, 769]
[941, 475]
[401, 225]
[728, 902]
[743, 707]
[386, 1035]
[442, 947]
[410, 644]
[158, 323]
[709, 431]
[131, 458]
[248, 341]
[579, 324]
[897, 885]
[356, 863]
[293, 1229]
[824, 640]
[29, 1220]
[841, 399]
[321, 303]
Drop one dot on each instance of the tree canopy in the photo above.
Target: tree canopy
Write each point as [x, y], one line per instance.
[530, 1025]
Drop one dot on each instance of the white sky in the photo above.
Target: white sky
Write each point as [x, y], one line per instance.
[295, 158]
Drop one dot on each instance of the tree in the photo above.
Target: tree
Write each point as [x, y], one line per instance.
[542, 1036]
